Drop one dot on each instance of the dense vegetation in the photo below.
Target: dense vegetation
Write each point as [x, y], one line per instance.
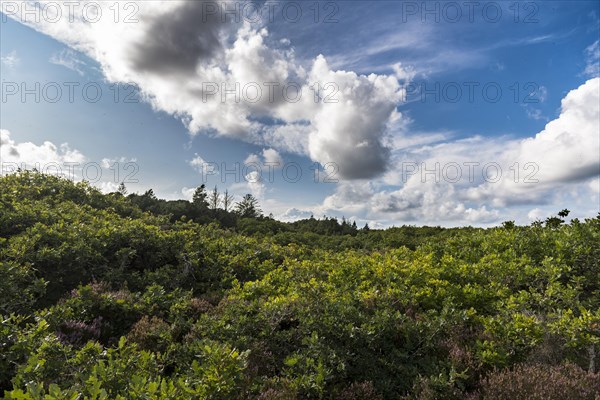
[131, 297]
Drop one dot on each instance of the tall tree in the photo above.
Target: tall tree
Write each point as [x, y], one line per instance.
[227, 200]
[248, 207]
[150, 194]
[199, 197]
[122, 189]
[214, 199]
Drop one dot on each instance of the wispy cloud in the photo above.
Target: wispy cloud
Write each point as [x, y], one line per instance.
[68, 59]
[535, 114]
[10, 60]
[592, 53]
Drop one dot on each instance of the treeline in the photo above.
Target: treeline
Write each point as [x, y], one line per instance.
[100, 299]
[246, 217]
[213, 206]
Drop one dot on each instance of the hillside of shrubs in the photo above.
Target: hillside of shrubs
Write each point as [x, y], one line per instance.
[117, 296]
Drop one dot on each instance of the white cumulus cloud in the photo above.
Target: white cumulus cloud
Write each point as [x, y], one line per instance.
[229, 79]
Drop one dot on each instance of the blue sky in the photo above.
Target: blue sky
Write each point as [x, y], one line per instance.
[378, 57]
